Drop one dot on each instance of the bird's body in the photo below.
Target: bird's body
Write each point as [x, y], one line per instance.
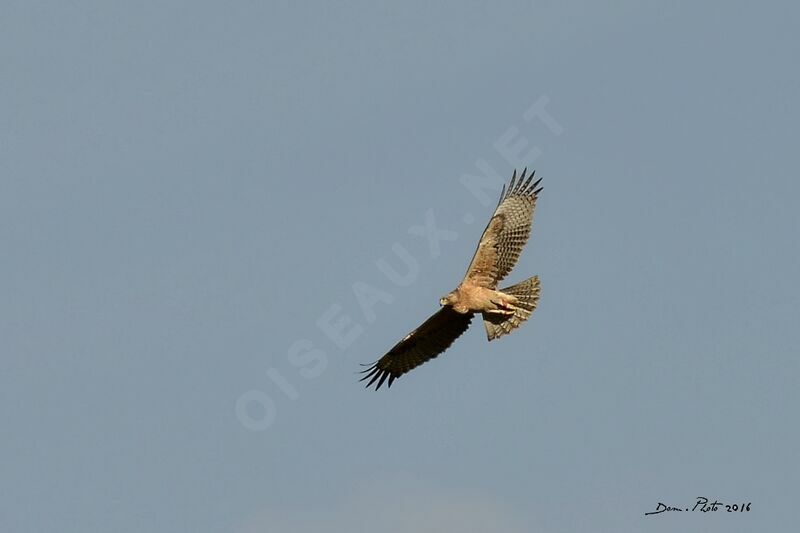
[503, 310]
[472, 298]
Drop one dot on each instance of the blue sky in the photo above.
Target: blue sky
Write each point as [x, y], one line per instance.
[199, 205]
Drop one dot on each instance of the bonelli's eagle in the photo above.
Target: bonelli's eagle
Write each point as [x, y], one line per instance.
[502, 310]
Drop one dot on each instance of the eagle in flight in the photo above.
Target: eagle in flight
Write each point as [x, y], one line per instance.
[502, 310]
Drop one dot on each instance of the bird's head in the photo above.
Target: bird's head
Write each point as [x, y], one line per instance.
[448, 299]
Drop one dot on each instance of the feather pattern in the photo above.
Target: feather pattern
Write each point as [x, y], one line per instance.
[506, 234]
[527, 293]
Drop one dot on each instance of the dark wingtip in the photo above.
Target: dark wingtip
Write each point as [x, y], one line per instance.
[520, 185]
[524, 189]
[384, 375]
[535, 185]
[370, 365]
[511, 185]
[369, 371]
[374, 373]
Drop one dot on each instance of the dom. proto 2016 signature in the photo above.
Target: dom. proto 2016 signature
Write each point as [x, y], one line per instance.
[704, 505]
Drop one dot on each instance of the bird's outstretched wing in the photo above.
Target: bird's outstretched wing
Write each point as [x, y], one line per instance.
[506, 234]
[430, 339]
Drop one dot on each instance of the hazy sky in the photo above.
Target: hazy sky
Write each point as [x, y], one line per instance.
[212, 213]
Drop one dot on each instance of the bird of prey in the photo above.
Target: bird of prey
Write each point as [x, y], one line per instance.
[502, 310]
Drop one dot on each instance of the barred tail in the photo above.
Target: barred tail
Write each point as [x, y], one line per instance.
[527, 292]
